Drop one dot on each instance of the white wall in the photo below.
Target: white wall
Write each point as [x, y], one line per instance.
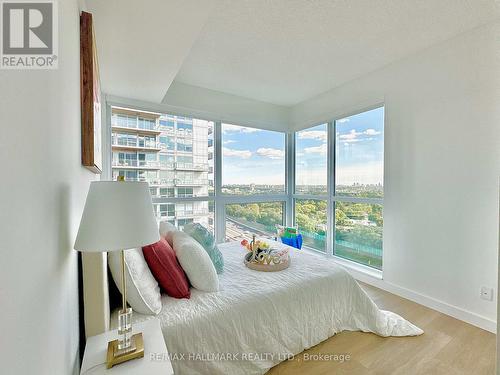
[442, 161]
[42, 193]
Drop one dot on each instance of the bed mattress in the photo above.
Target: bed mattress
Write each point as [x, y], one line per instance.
[258, 319]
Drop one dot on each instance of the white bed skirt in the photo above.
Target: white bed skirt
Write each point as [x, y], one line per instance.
[259, 319]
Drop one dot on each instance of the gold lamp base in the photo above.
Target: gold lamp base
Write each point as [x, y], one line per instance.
[116, 356]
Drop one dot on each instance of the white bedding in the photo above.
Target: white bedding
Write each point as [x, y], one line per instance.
[257, 318]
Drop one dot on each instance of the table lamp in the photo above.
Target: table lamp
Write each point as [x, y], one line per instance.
[118, 215]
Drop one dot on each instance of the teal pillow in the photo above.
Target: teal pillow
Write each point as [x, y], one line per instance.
[207, 240]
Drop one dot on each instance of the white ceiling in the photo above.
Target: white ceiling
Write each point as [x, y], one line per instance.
[142, 44]
[287, 51]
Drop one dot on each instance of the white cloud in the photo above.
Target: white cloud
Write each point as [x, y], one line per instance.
[317, 149]
[243, 154]
[229, 141]
[371, 132]
[228, 128]
[353, 135]
[320, 135]
[342, 120]
[271, 153]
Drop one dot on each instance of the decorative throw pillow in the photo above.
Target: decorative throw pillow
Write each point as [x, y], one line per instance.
[143, 292]
[166, 230]
[207, 240]
[196, 263]
[166, 269]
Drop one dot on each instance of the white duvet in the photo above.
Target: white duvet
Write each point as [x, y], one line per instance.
[258, 318]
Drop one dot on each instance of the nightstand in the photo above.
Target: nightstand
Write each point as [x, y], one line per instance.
[155, 359]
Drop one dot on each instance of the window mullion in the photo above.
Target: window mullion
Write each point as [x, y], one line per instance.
[220, 211]
[330, 222]
[290, 178]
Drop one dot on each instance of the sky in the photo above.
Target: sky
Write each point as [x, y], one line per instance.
[252, 155]
[258, 156]
[359, 153]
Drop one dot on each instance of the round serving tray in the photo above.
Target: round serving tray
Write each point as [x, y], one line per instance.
[266, 267]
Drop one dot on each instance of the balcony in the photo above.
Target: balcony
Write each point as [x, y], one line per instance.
[184, 133]
[184, 214]
[167, 165]
[167, 130]
[200, 167]
[135, 164]
[137, 126]
[197, 182]
[133, 179]
[166, 215]
[124, 144]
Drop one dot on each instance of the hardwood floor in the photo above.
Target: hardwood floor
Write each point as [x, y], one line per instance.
[448, 347]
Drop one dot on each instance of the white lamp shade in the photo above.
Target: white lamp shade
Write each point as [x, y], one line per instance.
[118, 215]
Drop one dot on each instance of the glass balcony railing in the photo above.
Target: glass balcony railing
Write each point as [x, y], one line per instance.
[134, 123]
[185, 132]
[191, 213]
[135, 143]
[164, 214]
[136, 163]
[167, 165]
[192, 166]
[197, 182]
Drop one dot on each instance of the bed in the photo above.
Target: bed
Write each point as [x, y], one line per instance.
[259, 319]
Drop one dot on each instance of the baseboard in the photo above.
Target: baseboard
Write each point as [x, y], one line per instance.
[432, 303]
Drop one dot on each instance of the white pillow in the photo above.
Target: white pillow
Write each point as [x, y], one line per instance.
[196, 262]
[143, 292]
[166, 231]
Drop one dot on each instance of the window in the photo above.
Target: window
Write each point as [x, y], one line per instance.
[356, 200]
[184, 145]
[359, 174]
[184, 192]
[167, 126]
[336, 199]
[126, 174]
[124, 121]
[253, 161]
[185, 159]
[311, 150]
[185, 129]
[167, 143]
[147, 124]
[167, 192]
[358, 232]
[167, 210]
[359, 157]
[185, 209]
[166, 161]
[243, 220]
[310, 218]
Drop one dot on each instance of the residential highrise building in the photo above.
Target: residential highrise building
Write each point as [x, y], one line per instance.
[174, 154]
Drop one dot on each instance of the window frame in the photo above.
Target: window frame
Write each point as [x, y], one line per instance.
[219, 200]
[331, 196]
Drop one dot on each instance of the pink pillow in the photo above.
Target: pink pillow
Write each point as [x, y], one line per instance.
[164, 266]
